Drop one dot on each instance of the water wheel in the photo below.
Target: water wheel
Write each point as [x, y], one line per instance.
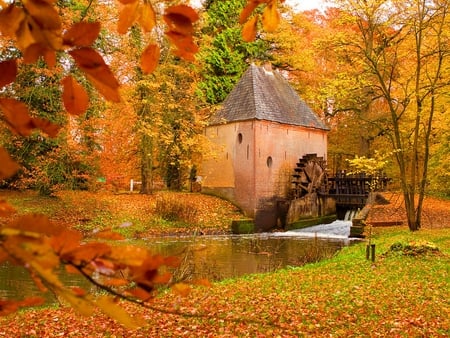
[310, 176]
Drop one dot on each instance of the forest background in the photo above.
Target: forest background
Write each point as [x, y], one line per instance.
[154, 134]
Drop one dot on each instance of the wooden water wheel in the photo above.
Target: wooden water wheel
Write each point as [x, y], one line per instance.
[310, 176]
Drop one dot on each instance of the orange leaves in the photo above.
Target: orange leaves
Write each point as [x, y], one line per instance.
[10, 306]
[82, 34]
[8, 72]
[115, 311]
[128, 15]
[8, 168]
[150, 58]
[179, 20]
[17, 117]
[75, 97]
[97, 71]
[37, 30]
[250, 29]
[270, 18]
[147, 19]
[37, 22]
[128, 272]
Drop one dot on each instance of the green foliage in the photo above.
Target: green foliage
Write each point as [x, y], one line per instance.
[226, 56]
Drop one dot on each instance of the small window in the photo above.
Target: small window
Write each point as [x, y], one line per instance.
[240, 138]
[269, 162]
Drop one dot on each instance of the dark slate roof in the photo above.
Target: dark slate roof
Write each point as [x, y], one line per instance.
[266, 95]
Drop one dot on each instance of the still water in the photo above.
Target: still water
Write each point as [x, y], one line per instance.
[217, 257]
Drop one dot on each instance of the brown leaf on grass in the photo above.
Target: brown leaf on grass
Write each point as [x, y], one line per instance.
[108, 234]
[97, 71]
[181, 289]
[150, 58]
[17, 116]
[75, 97]
[8, 72]
[140, 294]
[8, 168]
[82, 34]
[115, 311]
[250, 28]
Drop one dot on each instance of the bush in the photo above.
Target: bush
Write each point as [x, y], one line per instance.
[173, 209]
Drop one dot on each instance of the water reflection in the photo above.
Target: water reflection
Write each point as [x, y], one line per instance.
[214, 257]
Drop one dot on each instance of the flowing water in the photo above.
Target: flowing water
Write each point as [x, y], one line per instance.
[217, 257]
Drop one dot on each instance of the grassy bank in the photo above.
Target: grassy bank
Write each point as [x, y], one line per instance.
[404, 293]
[132, 215]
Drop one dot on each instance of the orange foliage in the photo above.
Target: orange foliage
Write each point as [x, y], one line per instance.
[270, 18]
[33, 241]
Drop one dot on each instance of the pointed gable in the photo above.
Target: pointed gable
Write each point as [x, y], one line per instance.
[265, 95]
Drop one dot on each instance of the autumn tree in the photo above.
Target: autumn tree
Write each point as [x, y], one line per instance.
[402, 49]
[32, 241]
[37, 29]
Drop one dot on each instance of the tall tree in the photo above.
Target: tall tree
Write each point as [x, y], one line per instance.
[402, 48]
[226, 55]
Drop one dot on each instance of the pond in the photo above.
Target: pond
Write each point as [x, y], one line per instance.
[217, 257]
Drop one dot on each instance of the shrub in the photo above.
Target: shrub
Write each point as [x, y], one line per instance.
[173, 209]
